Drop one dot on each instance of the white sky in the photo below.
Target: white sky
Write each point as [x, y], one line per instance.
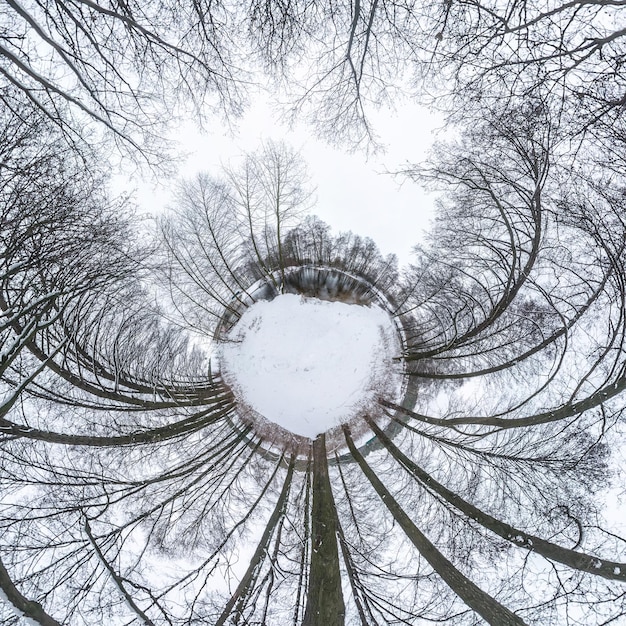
[353, 192]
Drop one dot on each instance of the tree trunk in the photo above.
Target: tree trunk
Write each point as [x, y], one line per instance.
[576, 560]
[325, 606]
[482, 603]
[571, 409]
[247, 582]
[29, 608]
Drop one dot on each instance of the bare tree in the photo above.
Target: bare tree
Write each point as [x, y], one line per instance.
[129, 68]
[119, 65]
[136, 486]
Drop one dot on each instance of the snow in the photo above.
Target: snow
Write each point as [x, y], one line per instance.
[308, 364]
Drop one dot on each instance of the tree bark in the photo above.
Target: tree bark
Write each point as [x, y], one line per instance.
[482, 603]
[325, 604]
[247, 582]
[29, 608]
[552, 551]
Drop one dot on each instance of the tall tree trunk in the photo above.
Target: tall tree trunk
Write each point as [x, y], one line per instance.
[190, 424]
[29, 608]
[325, 606]
[247, 582]
[570, 409]
[577, 560]
[482, 603]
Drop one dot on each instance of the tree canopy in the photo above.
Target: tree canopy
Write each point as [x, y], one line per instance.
[134, 486]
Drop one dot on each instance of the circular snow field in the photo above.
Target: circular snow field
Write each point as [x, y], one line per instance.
[308, 364]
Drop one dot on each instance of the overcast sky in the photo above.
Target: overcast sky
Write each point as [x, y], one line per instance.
[353, 192]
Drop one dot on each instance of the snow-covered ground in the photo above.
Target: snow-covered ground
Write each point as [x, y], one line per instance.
[308, 364]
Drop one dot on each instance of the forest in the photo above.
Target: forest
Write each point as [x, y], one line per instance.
[136, 488]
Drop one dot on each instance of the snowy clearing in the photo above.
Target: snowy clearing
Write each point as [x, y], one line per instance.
[308, 364]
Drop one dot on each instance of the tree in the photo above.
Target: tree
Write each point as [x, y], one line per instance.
[572, 50]
[126, 69]
[118, 65]
[136, 488]
[227, 233]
